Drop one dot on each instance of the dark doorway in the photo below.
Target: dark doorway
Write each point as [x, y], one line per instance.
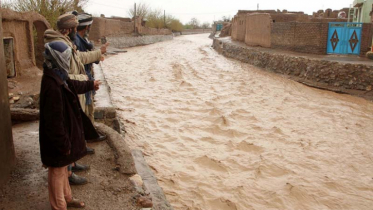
[9, 57]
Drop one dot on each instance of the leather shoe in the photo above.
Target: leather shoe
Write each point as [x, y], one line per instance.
[79, 167]
[100, 138]
[77, 180]
[90, 151]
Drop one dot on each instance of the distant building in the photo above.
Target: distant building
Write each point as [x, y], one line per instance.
[361, 11]
[218, 25]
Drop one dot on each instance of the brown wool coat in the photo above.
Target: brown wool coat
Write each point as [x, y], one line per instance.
[63, 125]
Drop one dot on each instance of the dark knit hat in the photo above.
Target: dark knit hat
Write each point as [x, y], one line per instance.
[67, 21]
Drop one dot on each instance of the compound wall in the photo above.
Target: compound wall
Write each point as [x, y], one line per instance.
[196, 31]
[239, 27]
[116, 27]
[104, 27]
[300, 37]
[258, 30]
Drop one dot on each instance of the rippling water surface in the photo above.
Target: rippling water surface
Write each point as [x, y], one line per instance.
[220, 134]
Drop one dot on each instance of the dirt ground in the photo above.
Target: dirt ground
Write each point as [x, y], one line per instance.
[28, 189]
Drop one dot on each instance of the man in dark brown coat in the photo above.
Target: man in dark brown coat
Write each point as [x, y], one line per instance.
[63, 125]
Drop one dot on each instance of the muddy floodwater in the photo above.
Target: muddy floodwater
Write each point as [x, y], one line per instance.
[221, 134]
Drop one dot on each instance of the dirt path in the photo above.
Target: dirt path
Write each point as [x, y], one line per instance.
[28, 188]
[221, 134]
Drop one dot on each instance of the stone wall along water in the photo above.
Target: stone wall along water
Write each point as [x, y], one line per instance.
[331, 74]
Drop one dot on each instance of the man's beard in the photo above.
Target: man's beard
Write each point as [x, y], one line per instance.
[86, 33]
[72, 35]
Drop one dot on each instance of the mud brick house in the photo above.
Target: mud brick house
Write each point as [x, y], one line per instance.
[239, 20]
[23, 40]
[20, 50]
[322, 33]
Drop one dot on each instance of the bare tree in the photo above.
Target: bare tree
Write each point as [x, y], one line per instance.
[194, 23]
[206, 25]
[142, 10]
[50, 9]
[155, 19]
[226, 18]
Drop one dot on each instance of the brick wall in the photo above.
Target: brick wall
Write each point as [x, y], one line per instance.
[289, 17]
[327, 20]
[300, 37]
[366, 38]
[258, 30]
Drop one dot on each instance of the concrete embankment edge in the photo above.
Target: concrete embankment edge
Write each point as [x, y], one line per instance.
[129, 162]
[150, 181]
[133, 162]
[124, 42]
[343, 77]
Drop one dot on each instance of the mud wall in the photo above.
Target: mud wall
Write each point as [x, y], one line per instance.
[196, 31]
[104, 27]
[22, 27]
[239, 28]
[317, 72]
[153, 31]
[7, 154]
[23, 49]
[122, 42]
[258, 30]
[116, 27]
[300, 37]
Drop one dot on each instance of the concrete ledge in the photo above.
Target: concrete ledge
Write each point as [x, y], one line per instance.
[123, 154]
[150, 182]
[343, 74]
[105, 112]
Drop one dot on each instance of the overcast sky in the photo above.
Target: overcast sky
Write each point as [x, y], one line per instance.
[210, 10]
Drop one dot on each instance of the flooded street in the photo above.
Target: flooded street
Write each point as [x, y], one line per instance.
[220, 134]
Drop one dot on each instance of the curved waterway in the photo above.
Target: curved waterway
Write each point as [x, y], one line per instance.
[221, 134]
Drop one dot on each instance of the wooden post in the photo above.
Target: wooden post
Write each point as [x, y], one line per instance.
[134, 20]
[164, 18]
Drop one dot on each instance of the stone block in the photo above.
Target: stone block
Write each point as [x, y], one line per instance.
[111, 113]
[99, 114]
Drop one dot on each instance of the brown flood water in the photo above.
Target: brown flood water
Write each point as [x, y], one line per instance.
[221, 134]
